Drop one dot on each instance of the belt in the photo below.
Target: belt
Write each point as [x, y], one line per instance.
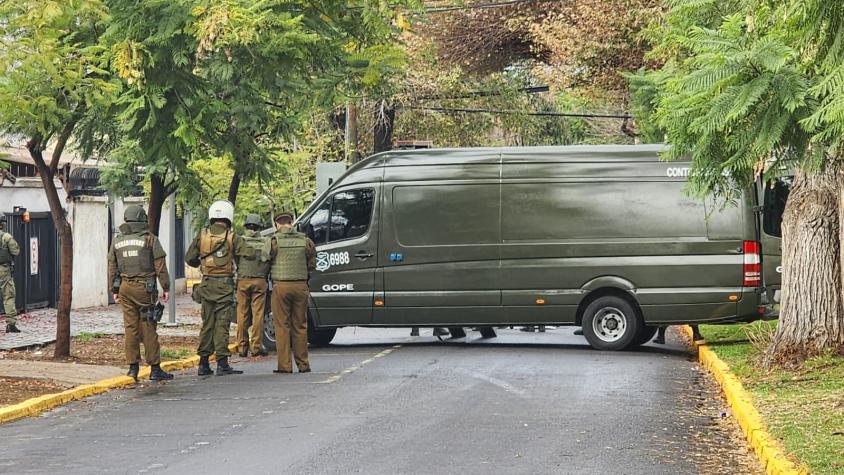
[140, 280]
[252, 277]
[217, 277]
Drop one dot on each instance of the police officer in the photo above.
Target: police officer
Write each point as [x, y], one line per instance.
[214, 251]
[9, 249]
[135, 260]
[252, 290]
[293, 257]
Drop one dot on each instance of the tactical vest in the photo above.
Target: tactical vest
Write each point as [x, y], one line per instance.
[291, 261]
[5, 255]
[252, 266]
[134, 255]
[216, 252]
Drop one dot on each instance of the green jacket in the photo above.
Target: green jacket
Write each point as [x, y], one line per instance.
[9, 248]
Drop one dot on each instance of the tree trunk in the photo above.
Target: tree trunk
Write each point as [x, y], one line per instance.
[352, 132]
[66, 260]
[157, 195]
[811, 313]
[234, 187]
[384, 119]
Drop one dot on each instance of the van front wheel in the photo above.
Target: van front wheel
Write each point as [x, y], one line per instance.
[610, 323]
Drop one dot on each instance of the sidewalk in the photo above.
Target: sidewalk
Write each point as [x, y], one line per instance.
[39, 327]
[70, 374]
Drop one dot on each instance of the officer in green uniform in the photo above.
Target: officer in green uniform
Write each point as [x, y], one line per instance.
[135, 260]
[293, 257]
[214, 251]
[9, 249]
[251, 290]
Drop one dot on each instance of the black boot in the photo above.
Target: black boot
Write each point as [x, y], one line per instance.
[204, 366]
[223, 367]
[133, 371]
[695, 333]
[158, 374]
[11, 328]
[660, 336]
[244, 353]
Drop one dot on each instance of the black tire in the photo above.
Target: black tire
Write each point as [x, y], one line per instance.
[320, 336]
[610, 323]
[646, 334]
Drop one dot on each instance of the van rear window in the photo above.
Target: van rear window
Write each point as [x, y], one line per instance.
[776, 195]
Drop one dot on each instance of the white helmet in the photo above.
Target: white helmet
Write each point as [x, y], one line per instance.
[221, 209]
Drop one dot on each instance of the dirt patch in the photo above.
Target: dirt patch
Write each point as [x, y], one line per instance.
[16, 390]
[106, 350]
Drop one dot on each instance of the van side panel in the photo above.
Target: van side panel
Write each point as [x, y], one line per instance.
[616, 219]
[442, 232]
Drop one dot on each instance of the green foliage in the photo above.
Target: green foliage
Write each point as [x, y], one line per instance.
[53, 69]
[747, 86]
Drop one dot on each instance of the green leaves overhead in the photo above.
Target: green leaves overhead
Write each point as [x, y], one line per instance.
[746, 84]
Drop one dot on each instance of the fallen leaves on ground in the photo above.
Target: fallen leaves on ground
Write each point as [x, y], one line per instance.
[106, 350]
[15, 390]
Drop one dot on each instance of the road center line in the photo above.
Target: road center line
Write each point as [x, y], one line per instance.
[357, 366]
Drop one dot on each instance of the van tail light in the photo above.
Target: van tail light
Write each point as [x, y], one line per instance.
[752, 264]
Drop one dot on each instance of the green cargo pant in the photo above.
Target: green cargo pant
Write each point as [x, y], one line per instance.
[217, 297]
[135, 302]
[7, 293]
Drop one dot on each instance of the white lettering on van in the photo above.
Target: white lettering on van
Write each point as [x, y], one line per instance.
[678, 172]
[338, 288]
[779, 269]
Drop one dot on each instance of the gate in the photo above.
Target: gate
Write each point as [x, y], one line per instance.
[37, 266]
[180, 248]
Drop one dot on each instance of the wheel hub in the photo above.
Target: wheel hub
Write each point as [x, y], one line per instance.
[610, 324]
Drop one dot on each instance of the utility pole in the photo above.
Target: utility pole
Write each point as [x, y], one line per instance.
[171, 309]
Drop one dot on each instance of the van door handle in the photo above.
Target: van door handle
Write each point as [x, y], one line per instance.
[363, 255]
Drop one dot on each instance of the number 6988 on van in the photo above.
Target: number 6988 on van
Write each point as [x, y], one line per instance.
[602, 237]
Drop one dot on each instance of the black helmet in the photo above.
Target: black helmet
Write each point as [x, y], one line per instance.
[253, 220]
[134, 214]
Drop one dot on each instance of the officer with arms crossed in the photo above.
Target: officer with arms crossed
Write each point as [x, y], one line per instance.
[293, 257]
[214, 251]
[135, 259]
[252, 290]
[9, 249]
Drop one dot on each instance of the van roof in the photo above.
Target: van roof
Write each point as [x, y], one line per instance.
[556, 153]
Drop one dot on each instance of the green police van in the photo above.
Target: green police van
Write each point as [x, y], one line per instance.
[601, 237]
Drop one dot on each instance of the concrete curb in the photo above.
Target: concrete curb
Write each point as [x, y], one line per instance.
[37, 405]
[768, 449]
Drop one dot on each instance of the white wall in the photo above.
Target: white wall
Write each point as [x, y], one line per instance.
[27, 192]
[89, 220]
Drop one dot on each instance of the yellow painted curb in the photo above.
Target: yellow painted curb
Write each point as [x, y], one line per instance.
[37, 405]
[767, 448]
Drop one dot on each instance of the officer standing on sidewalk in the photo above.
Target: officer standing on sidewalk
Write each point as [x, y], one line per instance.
[293, 257]
[9, 249]
[135, 259]
[252, 290]
[214, 251]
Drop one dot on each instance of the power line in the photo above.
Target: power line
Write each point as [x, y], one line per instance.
[483, 6]
[517, 112]
[471, 94]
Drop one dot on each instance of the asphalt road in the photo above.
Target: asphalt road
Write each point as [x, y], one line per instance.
[380, 402]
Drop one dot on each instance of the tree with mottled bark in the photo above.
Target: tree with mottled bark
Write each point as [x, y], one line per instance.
[53, 79]
[753, 89]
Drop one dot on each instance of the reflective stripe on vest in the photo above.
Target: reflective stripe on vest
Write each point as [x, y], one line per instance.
[252, 266]
[134, 255]
[5, 255]
[220, 262]
[291, 261]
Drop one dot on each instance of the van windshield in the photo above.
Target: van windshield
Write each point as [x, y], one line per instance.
[776, 195]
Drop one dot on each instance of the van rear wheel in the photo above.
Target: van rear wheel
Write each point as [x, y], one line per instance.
[610, 323]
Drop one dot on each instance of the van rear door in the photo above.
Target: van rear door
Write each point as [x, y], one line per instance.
[773, 195]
